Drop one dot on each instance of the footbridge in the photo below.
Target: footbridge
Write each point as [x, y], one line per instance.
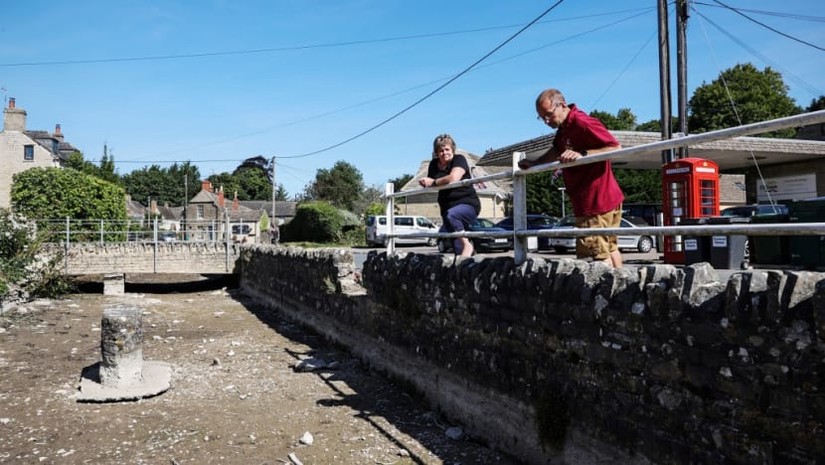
[149, 257]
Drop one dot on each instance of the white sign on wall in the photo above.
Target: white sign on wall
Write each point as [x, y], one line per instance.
[798, 187]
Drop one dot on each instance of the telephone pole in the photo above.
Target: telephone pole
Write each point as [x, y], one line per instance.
[664, 78]
[272, 168]
[681, 68]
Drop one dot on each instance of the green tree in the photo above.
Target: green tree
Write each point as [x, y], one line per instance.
[342, 186]
[106, 170]
[816, 104]
[48, 193]
[400, 181]
[228, 183]
[756, 95]
[149, 182]
[544, 194]
[623, 120]
[184, 180]
[640, 186]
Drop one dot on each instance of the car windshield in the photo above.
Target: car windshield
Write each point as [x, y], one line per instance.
[483, 223]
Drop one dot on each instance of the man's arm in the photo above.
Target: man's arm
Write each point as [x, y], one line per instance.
[550, 155]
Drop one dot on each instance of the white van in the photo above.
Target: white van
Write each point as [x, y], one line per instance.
[404, 224]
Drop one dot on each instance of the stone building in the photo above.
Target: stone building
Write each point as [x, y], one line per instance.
[22, 149]
[205, 216]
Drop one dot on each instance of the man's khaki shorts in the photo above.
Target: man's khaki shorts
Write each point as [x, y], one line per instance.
[598, 247]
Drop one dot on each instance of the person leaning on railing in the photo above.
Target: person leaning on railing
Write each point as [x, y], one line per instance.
[592, 188]
[460, 205]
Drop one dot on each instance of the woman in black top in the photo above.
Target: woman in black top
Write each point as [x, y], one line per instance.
[460, 205]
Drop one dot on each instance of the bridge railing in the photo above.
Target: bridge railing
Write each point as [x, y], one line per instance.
[70, 231]
[521, 234]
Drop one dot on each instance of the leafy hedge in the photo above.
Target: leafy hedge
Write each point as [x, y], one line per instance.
[44, 193]
[315, 222]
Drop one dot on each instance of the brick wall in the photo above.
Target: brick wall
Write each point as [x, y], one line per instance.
[566, 362]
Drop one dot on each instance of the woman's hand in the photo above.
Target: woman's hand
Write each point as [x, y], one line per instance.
[426, 182]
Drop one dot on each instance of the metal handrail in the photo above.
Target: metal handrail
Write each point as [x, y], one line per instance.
[519, 176]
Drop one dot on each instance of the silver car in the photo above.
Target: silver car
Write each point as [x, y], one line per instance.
[642, 243]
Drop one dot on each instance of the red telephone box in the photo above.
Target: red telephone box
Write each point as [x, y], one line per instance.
[690, 190]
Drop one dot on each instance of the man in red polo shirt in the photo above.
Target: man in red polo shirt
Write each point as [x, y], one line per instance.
[593, 190]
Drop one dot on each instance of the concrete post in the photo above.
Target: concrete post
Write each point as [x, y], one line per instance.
[121, 349]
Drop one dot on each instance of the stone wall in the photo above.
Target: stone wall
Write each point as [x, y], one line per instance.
[568, 362]
[149, 257]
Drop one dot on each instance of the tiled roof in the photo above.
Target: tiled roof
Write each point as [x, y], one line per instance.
[283, 208]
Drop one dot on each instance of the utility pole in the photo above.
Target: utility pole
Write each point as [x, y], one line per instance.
[185, 202]
[664, 78]
[681, 68]
[272, 168]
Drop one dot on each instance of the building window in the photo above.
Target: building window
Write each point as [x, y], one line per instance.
[28, 152]
[200, 212]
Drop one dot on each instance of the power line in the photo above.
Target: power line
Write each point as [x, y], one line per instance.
[770, 28]
[636, 13]
[812, 89]
[417, 102]
[817, 19]
[286, 48]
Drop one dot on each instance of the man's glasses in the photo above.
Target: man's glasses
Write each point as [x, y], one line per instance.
[546, 117]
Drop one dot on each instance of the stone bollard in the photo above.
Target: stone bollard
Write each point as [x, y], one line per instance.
[122, 374]
[121, 340]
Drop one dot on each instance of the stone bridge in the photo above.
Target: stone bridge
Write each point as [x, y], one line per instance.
[149, 257]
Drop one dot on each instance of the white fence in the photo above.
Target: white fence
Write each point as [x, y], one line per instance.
[521, 234]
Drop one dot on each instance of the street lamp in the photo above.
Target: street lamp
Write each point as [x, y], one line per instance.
[562, 189]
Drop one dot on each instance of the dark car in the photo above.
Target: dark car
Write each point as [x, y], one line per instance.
[747, 211]
[534, 221]
[480, 243]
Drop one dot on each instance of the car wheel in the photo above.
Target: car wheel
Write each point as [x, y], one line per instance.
[431, 241]
[442, 247]
[645, 244]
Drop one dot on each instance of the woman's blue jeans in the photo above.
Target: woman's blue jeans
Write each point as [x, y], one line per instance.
[458, 218]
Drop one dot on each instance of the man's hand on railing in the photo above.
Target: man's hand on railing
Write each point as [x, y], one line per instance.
[526, 163]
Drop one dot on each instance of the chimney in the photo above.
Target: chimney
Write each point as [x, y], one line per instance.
[14, 119]
[221, 200]
[153, 207]
[235, 202]
[57, 134]
[206, 186]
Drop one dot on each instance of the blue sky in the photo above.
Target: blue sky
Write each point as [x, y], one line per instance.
[315, 73]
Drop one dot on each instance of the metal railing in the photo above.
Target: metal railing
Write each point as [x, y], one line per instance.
[103, 231]
[521, 234]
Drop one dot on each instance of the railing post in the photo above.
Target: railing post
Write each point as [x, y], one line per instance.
[66, 248]
[228, 239]
[390, 213]
[155, 254]
[519, 211]
[101, 232]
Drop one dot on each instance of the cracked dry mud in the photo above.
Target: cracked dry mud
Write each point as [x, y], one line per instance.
[235, 397]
